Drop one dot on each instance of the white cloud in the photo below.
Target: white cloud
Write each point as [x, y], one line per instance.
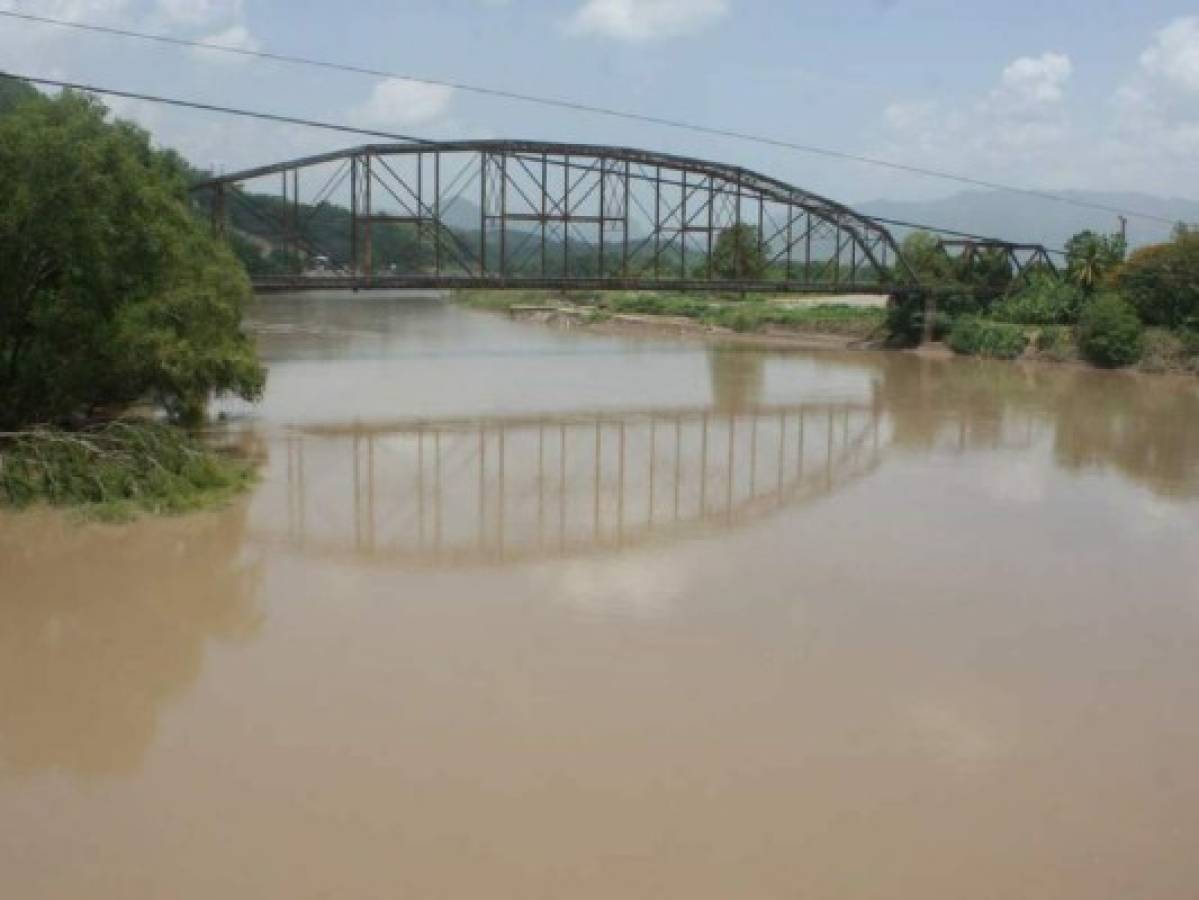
[1155, 121]
[1025, 131]
[71, 10]
[1019, 122]
[645, 20]
[395, 102]
[910, 117]
[1034, 81]
[236, 37]
[639, 588]
[200, 13]
[1174, 55]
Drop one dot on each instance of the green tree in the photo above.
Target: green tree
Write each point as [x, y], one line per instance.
[1162, 282]
[111, 290]
[13, 93]
[926, 257]
[738, 254]
[1091, 258]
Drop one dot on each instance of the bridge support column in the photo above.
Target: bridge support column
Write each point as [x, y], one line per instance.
[361, 254]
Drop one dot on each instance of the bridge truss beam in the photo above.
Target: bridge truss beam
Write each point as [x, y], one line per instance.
[523, 214]
[1024, 259]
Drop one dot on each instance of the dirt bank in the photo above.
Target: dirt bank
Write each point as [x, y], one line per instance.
[684, 327]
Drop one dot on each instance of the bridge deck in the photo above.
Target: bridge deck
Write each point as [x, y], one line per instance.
[301, 283]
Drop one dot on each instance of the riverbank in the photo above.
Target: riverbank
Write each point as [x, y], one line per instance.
[118, 471]
[819, 324]
[758, 322]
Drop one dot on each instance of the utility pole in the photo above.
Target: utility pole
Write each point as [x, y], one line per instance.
[1124, 229]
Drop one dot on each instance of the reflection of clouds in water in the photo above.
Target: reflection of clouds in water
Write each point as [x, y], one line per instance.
[1019, 481]
[630, 587]
[957, 739]
[1163, 515]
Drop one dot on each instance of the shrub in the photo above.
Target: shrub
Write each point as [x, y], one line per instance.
[1056, 342]
[1045, 300]
[905, 319]
[742, 318]
[972, 336]
[1109, 332]
[1190, 340]
[1162, 282]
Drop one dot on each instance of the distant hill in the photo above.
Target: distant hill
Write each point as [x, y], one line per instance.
[1014, 217]
[1019, 217]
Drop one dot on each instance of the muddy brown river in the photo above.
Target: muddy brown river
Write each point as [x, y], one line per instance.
[518, 612]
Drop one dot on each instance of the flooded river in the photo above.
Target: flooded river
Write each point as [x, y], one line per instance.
[518, 612]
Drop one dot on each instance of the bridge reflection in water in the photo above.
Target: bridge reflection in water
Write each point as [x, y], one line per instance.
[506, 489]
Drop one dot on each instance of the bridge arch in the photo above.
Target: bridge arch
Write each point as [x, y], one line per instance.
[535, 214]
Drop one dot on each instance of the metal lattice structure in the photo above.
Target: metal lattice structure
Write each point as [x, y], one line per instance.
[527, 214]
[1022, 258]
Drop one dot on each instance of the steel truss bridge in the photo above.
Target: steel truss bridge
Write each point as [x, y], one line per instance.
[527, 214]
[539, 215]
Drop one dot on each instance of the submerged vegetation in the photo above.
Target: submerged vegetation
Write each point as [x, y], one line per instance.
[113, 293]
[116, 470]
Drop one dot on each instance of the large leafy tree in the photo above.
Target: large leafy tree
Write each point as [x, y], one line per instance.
[14, 92]
[1162, 281]
[111, 289]
[924, 255]
[738, 254]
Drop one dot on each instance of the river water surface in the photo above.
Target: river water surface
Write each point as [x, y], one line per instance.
[526, 613]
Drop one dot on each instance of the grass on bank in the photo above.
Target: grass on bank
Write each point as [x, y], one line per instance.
[116, 471]
[746, 316]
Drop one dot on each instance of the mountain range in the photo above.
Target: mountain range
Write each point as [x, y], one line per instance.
[1031, 219]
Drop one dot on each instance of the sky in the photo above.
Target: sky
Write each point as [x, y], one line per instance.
[1048, 95]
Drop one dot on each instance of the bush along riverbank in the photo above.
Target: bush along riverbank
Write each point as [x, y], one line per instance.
[114, 294]
[116, 471]
[1106, 308]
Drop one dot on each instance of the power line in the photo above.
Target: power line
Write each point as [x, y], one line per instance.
[369, 132]
[576, 106]
[212, 107]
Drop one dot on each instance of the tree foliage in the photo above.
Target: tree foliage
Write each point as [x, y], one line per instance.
[927, 259]
[111, 290]
[13, 93]
[738, 254]
[1162, 281]
[1091, 258]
